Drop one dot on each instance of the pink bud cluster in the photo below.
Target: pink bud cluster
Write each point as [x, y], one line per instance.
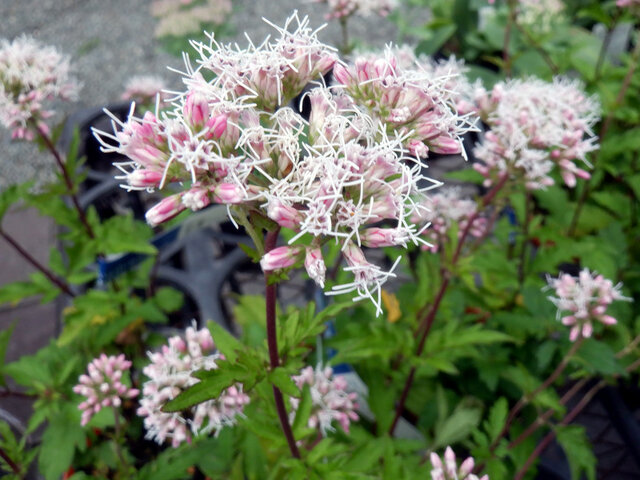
[143, 89]
[446, 208]
[330, 399]
[413, 105]
[170, 373]
[587, 298]
[449, 470]
[103, 385]
[356, 162]
[31, 74]
[186, 16]
[535, 126]
[363, 8]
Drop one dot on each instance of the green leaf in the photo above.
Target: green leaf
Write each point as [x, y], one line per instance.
[226, 343]
[169, 299]
[598, 357]
[457, 426]
[11, 195]
[281, 379]
[466, 175]
[579, 452]
[497, 418]
[304, 411]
[438, 36]
[212, 383]
[59, 441]
[5, 336]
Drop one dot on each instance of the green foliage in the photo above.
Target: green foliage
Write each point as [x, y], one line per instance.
[573, 439]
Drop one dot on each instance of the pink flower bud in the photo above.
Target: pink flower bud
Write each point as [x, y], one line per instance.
[284, 215]
[281, 257]
[165, 210]
[196, 109]
[144, 178]
[228, 193]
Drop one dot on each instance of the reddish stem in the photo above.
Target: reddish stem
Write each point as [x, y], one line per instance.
[13, 465]
[272, 342]
[67, 180]
[58, 282]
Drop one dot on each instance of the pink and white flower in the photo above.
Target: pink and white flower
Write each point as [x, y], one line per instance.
[330, 399]
[31, 75]
[535, 126]
[586, 298]
[170, 373]
[449, 470]
[104, 385]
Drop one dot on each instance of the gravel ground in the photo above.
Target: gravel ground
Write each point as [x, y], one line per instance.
[110, 41]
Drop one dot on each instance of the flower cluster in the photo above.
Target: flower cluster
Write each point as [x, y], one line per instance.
[330, 399]
[539, 15]
[30, 75]
[449, 470]
[143, 89]
[447, 207]
[103, 385]
[363, 8]
[169, 374]
[183, 17]
[534, 126]
[586, 298]
[414, 105]
[356, 161]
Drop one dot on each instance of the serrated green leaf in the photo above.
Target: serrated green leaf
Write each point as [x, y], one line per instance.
[169, 299]
[598, 357]
[497, 418]
[226, 343]
[579, 451]
[5, 336]
[456, 427]
[304, 411]
[281, 379]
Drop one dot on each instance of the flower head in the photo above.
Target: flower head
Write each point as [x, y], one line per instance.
[103, 385]
[363, 8]
[31, 74]
[586, 298]
[170, 373]
[535, 126]
[449, 470]
[330, 399]
[143, 89]
[447, 207]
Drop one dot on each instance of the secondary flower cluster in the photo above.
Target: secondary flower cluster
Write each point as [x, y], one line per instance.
[447, 207]
[587, 298]
[534, 126]
[363, 8]
[449, 470]
[169, 374]
[103, 385]
[187, 16]
[30, 75]
[356, 162]
[330, 399]
[143, 89]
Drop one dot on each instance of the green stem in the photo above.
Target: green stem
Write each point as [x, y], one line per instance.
[117, 439]
[344, 46]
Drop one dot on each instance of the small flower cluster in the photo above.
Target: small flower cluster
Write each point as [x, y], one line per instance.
[169, 374]
[449, 470]
[446, 208]
[628, 3]
[534, 126]
[330, 399]
[181, 18]
[363, 8]
[539, 15]
[586, 298]
[414, 105]
[30, 75]
[103, 385]
[143, 89]
[356, 161]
